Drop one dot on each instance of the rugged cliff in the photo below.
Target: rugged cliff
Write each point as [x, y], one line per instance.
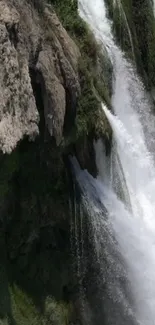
[51, 81]
[53, 78]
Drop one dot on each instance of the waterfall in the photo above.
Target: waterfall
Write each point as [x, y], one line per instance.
[137, 246]
[122, 12]
[114, 293]
[120, 202]
[129, 96]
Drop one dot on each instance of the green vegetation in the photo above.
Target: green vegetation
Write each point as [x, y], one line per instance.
[34, 208]
[23, 310]
[19, 303]
[95, 83]
[57, 313]
[145, 30]
[138, 16]
[120, 26]
[4, 321]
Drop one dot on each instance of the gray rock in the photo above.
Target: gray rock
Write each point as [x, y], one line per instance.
[18, 113]
[28, 40]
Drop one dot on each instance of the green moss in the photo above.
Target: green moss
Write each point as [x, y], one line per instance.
[4, 321]
[58, 313]
[95, 86]
[67, 12]
[89, 118]
[141, 23]
[145, 30]
[120, 26]
[23, 310]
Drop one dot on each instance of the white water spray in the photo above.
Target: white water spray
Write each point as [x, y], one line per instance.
[133, 125]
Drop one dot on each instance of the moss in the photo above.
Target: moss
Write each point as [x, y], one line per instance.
[23, 310]
[120, 26]
[89, 117]
[141, 23]
[34, 208]
[145, 30]
[4, 321]
[58, 313]
[67, 12]
[18, 304]
[94, 86]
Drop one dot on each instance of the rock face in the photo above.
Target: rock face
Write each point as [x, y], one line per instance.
[28, 47]
[46, 81]
[39, 87]
[57, 67]
[18, 113]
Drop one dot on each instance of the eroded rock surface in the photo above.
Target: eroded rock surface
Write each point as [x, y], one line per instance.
[38, 45]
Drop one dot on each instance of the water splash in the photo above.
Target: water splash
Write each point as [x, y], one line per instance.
[129, 95]
[124, 237]
[125, 250]
[137, 246]
[114, 287]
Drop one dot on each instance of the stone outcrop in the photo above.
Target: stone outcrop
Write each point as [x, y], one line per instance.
[46, 81]
[36, 45]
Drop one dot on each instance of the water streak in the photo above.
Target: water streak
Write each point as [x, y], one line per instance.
[122, 12]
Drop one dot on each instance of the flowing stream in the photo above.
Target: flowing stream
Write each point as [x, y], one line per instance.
[124, 236]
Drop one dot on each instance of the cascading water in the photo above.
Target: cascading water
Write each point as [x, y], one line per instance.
[122, 13]
[124, 237]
